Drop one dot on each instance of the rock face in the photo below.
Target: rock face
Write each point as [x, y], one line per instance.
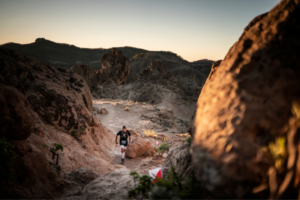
[87, 73]
[115, 68]
[138, 148]
[41, 104]
[82, 176]
[181, 159]
[16, 120]
[114, 186]
[246, 103]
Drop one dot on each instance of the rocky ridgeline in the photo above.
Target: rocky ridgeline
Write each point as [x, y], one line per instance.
[42, 105]
[151, 78]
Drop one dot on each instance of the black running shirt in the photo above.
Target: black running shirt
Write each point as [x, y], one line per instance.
[124, 137]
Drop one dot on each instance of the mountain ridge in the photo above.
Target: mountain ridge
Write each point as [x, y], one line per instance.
[68, 55]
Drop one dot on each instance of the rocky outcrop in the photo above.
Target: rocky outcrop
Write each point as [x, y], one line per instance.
[42, 105]
[246, 104]
[139, 147]
[87, 73]
[115, 68]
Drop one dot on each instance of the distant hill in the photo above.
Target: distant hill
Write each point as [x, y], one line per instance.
[65, 55]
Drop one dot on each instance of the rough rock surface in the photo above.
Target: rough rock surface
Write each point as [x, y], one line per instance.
[163, 117]
[181, 159]
[87, 73]
[115, 68]
[58, 102]
[16, 120]
[138, 148]
[82, 176]
[114, 185]
[247, 103]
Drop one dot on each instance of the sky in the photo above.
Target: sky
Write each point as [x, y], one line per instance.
[193, 29]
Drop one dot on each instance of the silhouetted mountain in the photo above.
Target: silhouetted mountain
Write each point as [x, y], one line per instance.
[66, 55]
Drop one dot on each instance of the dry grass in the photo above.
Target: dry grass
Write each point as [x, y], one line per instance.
[126, 109]
[149, 132]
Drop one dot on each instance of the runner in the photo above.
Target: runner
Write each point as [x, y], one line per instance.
[123, 140]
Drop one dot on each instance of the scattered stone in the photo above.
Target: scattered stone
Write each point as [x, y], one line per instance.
[102, 111]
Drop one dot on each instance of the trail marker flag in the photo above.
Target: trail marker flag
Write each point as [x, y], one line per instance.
[157, 172]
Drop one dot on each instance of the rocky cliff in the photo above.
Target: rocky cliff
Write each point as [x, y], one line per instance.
[115, 70]
[245, 105]
[42, 105]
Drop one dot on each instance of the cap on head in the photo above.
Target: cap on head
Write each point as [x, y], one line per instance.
[124, 127]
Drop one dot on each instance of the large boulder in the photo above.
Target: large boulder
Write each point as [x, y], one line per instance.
[246, 104]
[138, 148]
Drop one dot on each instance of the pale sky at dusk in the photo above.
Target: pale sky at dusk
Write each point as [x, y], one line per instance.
[194, 29]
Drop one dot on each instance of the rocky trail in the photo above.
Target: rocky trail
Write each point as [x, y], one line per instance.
[113, 114]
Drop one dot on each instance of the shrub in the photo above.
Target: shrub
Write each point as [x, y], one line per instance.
[7, 154]
[126, 109]
[82, 129]
[162, 149]
[57, 147]
[74, 133]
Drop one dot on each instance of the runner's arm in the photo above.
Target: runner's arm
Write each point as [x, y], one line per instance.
[116, 139]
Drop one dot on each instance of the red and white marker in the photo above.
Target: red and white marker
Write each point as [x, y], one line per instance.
[157, 172]
[157, 143]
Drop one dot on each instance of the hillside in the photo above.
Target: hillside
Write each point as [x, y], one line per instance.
[66, 55]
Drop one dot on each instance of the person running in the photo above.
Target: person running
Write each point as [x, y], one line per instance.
[123, 140]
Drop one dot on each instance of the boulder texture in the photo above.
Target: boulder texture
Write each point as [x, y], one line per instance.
[139, 147]
[42, 105]
[246, 103]
[181, 159]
